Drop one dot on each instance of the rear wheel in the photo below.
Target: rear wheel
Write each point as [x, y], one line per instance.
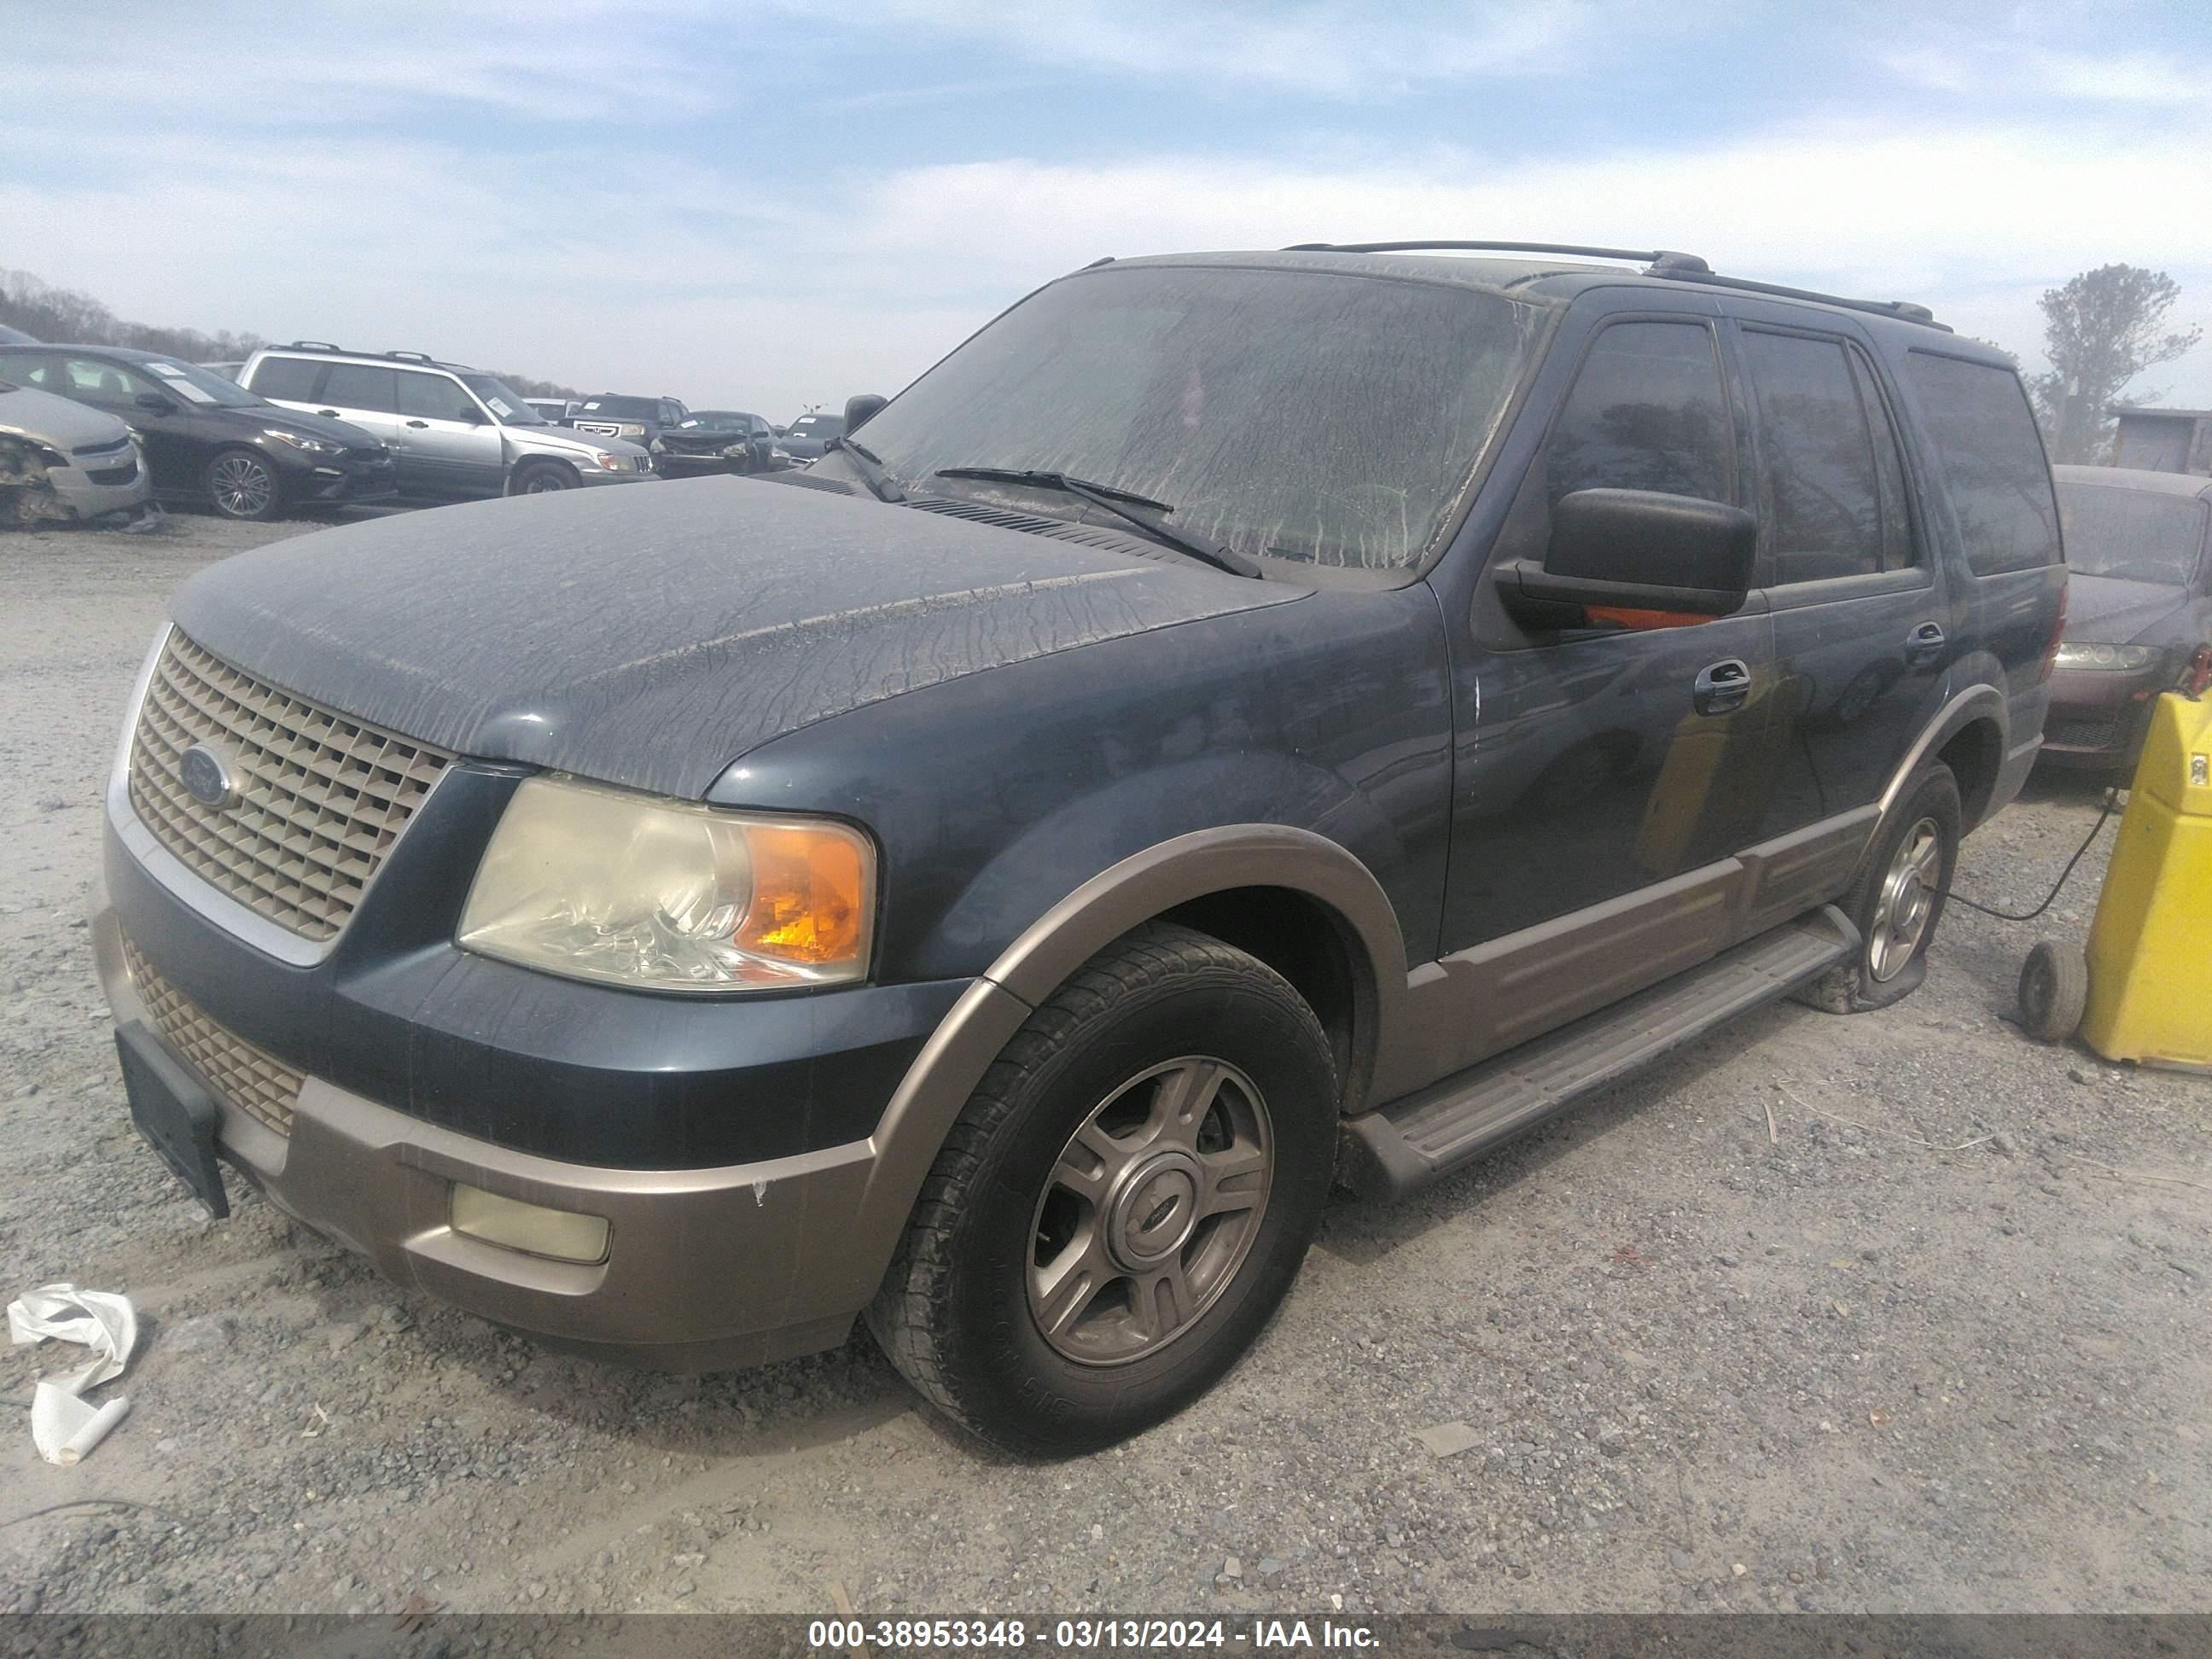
[1123, 1202]
[1898, 899]
[244, 485]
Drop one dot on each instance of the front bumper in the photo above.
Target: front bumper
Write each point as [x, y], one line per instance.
[598, 474]
[75, 489]
[372, 481]
[706, 1268]
[2097, 720]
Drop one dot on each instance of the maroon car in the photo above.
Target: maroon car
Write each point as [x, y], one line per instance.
[2138, 606]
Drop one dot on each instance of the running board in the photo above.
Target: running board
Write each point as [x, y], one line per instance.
[1429, 1133]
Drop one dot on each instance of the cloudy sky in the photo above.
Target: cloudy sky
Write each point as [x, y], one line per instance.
[778, 204]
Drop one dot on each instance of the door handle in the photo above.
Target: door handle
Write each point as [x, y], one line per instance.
[419, 424]
[1721, 688]
[332, 413]
[1925, 644]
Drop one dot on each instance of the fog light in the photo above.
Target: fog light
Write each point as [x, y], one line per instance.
[532, 1228]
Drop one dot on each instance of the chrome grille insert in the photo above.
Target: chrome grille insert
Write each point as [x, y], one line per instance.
[239, 1074]
[321, 798]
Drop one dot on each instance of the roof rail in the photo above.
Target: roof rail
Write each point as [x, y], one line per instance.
[410, 356]
[313, 345]
[1662, 260]
[1903, 310]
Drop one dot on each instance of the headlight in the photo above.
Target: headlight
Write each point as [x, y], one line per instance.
[605, 462]
[298, 441]
[658, 447]
[600, 883]
[2111, 658]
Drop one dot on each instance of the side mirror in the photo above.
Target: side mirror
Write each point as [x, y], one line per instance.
[857, 410]
[1635, 550]
[155, 403]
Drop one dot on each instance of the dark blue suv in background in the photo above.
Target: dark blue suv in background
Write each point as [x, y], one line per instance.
[1242, 721]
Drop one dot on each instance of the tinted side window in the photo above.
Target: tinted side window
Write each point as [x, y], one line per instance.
[357, 386]
[1898, 548]
[90, 380]
[1991, 462]
[291, 378]
[1823, 517]
[32, 369]
[1647, 412]
[434, 397]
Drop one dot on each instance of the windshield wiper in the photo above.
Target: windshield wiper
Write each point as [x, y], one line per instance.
[866, 462]
[1119, 503]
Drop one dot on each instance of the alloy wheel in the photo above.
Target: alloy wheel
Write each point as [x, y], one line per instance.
[1149, 1210]
[243, 486]
[1909, 890]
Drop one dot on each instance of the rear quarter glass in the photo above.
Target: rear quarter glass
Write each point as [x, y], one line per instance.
[1990, 461]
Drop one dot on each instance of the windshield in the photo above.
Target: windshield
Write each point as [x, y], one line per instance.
[816, 426]
[717, 419]
[510, 405]
[622, 409]
[2131, 533]
[196, 385]
[1293, 415]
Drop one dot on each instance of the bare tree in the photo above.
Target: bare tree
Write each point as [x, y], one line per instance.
[2100, 331]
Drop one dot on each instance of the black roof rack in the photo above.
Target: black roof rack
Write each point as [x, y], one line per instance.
[410, 356]
[1903, 310]
[1659, 259]
[311, 345]
[1658, 262]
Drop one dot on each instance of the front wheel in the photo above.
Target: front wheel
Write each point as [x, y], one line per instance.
[244, 485]
[1898, 899]
[1123, 1202]
[541, 477]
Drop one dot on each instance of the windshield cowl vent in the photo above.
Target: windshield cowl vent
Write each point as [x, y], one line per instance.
[1032, 524]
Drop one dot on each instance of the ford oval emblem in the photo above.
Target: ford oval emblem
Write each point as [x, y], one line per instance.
[207, 777]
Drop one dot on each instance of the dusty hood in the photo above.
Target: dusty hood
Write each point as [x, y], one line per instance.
[2107, 610]
[650, 636]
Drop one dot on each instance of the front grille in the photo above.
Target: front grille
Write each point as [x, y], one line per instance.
[321, 798]
[239, 1074]
[604, 428]
[114, 475]
[2080, 734]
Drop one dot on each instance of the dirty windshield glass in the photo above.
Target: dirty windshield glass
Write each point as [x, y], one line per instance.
[2131, 533]
[1291, 414]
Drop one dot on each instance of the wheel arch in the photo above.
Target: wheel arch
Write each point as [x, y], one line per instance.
[1969, 731]
[1302, 900]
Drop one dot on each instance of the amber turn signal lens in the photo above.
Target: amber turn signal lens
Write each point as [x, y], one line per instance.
[811, 898]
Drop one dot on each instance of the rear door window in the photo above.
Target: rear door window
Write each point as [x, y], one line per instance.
[1990, 460]
[290, 378]
[358, 385]
[1826, 467]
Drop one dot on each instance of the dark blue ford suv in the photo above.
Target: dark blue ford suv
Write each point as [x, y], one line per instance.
[1240, 722]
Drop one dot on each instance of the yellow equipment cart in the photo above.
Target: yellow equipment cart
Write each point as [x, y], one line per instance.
[2143, 989]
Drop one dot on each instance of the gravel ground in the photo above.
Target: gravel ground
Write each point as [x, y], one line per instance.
[1899, 1312]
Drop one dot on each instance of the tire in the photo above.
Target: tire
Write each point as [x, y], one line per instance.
[242, 484]
[1093, 1092]
[2054, 991]
[542, 477]
[1897, 900]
